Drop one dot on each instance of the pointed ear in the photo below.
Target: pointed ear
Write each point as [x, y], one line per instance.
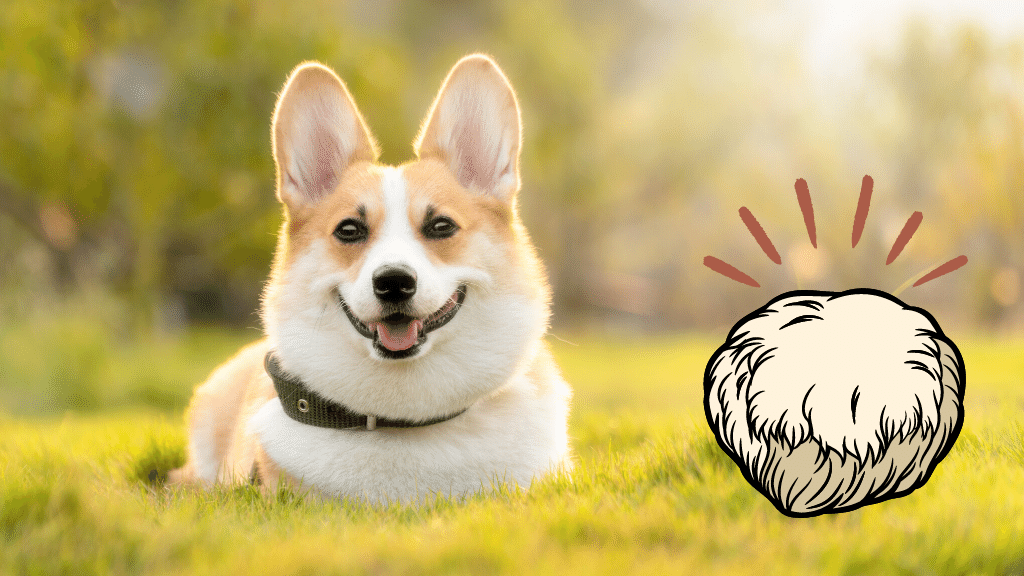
[474, 127]
[318, 133]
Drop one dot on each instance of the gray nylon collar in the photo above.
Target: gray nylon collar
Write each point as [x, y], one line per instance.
[306, 406]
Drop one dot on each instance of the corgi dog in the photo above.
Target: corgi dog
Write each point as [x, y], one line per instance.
[404, 316]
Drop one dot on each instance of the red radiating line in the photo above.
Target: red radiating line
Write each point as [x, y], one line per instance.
[905, 235]
[758, 233]
[803, 196]
[946, 268]
[729, 272]
[863, 203]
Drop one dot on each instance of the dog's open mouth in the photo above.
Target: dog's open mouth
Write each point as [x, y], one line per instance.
[399, 335]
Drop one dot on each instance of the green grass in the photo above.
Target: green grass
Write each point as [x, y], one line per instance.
[651, 492]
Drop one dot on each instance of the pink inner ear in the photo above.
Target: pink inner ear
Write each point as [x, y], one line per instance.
[320, 164]
[476, 156]
[467, 145]
[474, 127]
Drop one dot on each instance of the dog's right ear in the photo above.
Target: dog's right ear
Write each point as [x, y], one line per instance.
[318, 133]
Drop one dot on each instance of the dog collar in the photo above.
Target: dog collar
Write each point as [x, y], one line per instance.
[306, 406]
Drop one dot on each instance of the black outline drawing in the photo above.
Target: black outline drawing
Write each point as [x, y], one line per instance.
[908, 439]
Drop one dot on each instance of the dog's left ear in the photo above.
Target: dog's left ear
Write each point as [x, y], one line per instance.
[474, 127]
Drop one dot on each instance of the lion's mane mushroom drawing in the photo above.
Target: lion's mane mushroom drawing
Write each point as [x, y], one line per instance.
[832, 401]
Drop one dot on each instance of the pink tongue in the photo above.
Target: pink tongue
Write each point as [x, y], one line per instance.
[397, 338]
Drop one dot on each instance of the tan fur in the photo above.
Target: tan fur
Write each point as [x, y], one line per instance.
[359, 187]
[217, 401]
[232, 394]
[476, 214]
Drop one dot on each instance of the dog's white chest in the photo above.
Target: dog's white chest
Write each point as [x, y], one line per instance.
[509, 437]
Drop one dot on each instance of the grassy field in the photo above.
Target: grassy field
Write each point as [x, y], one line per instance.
[651, 492]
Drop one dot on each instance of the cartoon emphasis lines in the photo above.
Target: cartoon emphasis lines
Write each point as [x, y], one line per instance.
[807, 209]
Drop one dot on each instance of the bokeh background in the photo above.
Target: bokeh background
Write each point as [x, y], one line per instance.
[137, 209]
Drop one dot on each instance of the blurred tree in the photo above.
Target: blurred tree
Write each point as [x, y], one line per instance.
[135, 154]
[136, 147]
[954, 139]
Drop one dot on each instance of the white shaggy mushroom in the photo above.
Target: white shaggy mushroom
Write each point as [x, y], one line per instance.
[832, 401]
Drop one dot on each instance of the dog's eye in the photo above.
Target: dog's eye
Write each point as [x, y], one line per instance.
[440, 228]
[351, 231]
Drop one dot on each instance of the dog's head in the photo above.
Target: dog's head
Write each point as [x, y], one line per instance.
[403, 291]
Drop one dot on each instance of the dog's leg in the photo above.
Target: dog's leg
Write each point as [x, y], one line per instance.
[213, 416]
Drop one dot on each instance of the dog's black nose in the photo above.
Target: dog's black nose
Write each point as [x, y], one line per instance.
[394, 283]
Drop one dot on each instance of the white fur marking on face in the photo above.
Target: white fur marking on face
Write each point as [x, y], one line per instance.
[399, 244]
[396, 202]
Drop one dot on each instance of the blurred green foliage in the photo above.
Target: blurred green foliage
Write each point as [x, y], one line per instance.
[136, 154]
[65, 361]
[135, 157]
